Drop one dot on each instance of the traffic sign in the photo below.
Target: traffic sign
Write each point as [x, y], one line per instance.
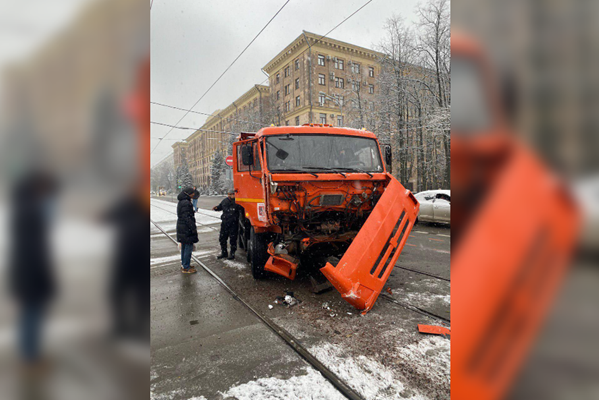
[229, 161]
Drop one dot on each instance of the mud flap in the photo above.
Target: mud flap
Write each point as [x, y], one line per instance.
[366, 265]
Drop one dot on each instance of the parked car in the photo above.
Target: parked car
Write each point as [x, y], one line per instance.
[435, 206]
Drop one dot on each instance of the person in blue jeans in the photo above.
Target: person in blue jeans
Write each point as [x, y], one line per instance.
[194, 201]
[187, 230]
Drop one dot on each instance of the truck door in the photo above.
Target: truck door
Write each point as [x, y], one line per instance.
[248, 180]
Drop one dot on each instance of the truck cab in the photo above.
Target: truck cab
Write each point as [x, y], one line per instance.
[308, 192]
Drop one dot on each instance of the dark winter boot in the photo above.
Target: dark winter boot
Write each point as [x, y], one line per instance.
[231, 256]
[222, 255]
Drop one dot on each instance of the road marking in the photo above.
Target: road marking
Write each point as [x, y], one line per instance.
[441, 234]
[423, 232]
[436, 240]
[409, 244]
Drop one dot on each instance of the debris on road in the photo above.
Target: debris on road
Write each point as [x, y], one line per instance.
[434, 330]
[270, 306]
[288, 300]
[389, 291]
[320, 286]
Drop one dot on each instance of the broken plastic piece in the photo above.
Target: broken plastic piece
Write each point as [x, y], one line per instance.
[281, 264]
[433, 329]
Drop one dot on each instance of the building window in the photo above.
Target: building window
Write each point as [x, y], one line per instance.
[339, 120]
[297, 120]
[278, 78]
[297, 64]
[321, 99]
[297, 101]
[287, 123]
[356, 68]
[321, 79]
[355, 85]
[323, 118]
[287, 105]
[339, 83]
[338, 64]
[278, 94]
[320, 59]
[286, 71]
[371, 72]
[371, 89]
[297, 83]
[287, 89]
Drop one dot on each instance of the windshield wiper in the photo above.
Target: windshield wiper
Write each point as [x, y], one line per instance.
[295, 170]
[327, 169]
[357, 170]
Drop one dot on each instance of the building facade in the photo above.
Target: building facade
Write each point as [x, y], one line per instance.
[312, 80]
[323, 81]
[220, 130]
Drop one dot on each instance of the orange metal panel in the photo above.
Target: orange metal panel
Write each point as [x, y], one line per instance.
[365, 267]
[435, 330]
[505, 273]
[280, 264]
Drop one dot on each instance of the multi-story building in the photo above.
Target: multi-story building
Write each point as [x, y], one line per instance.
[312, 79]
[219, 131]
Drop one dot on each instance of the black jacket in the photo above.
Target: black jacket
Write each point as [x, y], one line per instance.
[187, 231]
[31, 273]
[230, 210]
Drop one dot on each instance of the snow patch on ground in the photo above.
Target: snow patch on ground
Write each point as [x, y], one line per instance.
[430, 357]
[368, 377]
[312, 385]
[166, 396]
[235, 264]
[177, 257]
[426, 299]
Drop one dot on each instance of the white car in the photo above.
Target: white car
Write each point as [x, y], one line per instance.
[435, 206]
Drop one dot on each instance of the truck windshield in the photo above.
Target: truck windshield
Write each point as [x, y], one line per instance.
[328, 152]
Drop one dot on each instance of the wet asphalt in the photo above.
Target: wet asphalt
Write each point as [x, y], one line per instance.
[205, 342]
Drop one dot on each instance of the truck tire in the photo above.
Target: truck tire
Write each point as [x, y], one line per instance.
[257, 253]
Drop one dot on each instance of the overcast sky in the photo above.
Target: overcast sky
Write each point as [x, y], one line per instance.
[193, 42]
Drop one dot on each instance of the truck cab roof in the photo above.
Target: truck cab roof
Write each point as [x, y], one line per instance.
[312, 129]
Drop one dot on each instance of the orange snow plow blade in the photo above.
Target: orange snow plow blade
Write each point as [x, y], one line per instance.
[366, 265]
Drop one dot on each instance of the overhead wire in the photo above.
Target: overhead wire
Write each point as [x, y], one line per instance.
[221, 75]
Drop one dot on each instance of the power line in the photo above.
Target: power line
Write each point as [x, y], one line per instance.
[224, 72]
[339, 24]
[202, 113]
[266, 80]
[187, 128]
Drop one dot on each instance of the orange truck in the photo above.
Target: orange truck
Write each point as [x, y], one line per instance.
[316, 194]
[514, 228]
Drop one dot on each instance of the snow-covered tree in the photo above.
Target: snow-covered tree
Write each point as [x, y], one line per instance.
[218, 173]
[184, 177]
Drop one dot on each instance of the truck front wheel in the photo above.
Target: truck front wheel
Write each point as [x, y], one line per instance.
[257, 253]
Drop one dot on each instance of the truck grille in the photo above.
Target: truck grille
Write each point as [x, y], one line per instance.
[331, 199]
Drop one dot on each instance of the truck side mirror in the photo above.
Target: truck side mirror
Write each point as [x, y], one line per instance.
[247, 155]
[388, 155]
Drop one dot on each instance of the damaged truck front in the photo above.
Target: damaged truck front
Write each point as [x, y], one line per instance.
[318, 195]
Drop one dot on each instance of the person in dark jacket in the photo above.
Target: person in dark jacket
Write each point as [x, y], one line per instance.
[229, 226]
[31, 273]
[187, 231]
